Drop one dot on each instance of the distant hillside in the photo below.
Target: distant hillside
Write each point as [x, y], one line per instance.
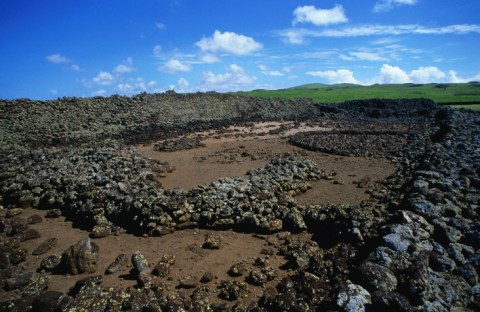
[442, 93]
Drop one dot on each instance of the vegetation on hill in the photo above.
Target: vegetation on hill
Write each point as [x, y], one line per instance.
[442, 93]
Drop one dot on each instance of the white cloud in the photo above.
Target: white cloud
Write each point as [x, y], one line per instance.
[103, 78]
[392, 74]
[338, 76]
[175, 66]
[57, 59]
[232, 80]
[160, 25]
[297, 36]
[453, 77]
[54, 92]
[125, 67]
[157, 50]
[368, 56]
[387, 5]
[268, 72]
[319, 17]
[426, 75]
[182, 85]
[229, 42]
[287, 69]
[209, 58]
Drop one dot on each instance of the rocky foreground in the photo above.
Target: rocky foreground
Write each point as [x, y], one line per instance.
[413, 247]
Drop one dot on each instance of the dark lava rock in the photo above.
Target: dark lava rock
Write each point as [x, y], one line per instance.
[50, 263]
[13, 212]
[207, 277]
[19, 281]
[18, 256]
[37, 286]
[34, 219]
[31, 234]
[391, 302]
[100, 231]
[120, 261]
[45, 246]
[54, 213]
[47, 301]
[237, 269]
[376, 277]
[81, 257]
[232, 290]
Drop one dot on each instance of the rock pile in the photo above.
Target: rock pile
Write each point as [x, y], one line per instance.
[416, 250]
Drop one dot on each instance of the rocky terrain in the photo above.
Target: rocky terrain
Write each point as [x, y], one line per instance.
[214, 202]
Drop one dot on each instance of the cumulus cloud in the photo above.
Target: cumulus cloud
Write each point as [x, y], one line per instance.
[229, 42]
[125, 67]
[234, 79]
[426, 74]
[103, 78]
[387, 5]
[268, 72]
[319, 17]
[392, 74]
[135, 86]
[453, 77]
[423, 74]
[175, 66]
[57, 59]
[338, 76]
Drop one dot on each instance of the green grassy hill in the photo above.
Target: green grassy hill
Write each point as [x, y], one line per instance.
[445, 93]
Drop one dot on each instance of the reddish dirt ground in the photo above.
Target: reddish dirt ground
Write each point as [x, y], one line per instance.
[227, 153]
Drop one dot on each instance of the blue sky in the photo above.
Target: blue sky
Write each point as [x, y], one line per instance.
[56, 48]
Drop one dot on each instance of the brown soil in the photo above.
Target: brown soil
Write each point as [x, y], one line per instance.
[229, 152]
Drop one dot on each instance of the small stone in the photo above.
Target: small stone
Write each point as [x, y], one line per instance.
[232, 290]
[237, 269]
[34, 219]
[256, 277]
[13, 212]
[162, 269]
[188, 283]
[45, 246]
[37, 286]
[100, 231]
[139, 262]
[50, 263]
[31, 234]
[212, 241]
[54, 213]
[207, 277]
[116, 265]
[18, 256]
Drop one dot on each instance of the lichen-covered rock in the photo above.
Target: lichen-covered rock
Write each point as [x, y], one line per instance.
[353, 298]
[117, 264]
[376, 277]
[81, 257]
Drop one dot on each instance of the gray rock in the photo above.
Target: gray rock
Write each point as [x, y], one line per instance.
[396, 242]
[353, 298]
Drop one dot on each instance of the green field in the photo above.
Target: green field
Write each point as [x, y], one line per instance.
[454, 94]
